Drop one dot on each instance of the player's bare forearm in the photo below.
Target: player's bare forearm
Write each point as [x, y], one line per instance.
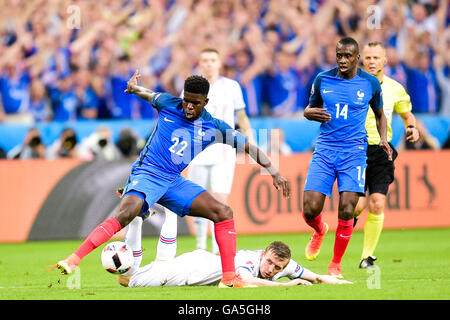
[263, 160]
[258, 282]
[260, 157]
[318, 278]
[134, 88]
[141, 92]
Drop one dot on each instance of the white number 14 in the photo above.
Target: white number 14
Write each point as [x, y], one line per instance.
[343, 112]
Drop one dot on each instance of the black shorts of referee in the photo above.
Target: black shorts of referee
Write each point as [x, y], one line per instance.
[379, 171]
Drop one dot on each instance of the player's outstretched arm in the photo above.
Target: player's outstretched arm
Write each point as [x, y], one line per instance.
[258, 282]
[263, 160]
[134, 88]
[321, 278]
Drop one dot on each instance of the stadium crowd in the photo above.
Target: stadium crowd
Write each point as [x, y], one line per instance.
[66, 60]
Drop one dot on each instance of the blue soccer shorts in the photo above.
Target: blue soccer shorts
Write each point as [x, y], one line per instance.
[176, 195]
[349, 168]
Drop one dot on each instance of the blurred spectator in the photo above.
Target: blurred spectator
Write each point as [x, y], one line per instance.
[394, 68]
[283, 86]
[249, 75]
[446, 144]
[162, 39]
[64, 98]
[32, 147]
[88, 102]
[15, 93]
[276, 143]
[128, 143]
[100, 145]
[40, 107]
[426, 140]
[3, 154]
[124, 106]
[441, 64]
[67, 146]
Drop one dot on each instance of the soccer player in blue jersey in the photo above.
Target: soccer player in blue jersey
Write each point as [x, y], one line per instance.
[340, 99]
[183, 130]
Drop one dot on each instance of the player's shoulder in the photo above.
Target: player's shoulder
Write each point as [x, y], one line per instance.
[249, 254]
[371, 78]
[164, 100]
[392, 83]
[327, 73]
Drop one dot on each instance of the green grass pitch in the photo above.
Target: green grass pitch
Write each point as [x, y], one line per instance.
[413, 264]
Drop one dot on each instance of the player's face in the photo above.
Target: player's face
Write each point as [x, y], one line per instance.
[210, 64]
[271, 264]
[374, 59]
[193, 104]
[347, 58]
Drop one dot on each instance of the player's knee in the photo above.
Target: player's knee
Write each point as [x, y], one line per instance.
[223, 212]
[346, 212]
[311, 208]
[128, 210]
[376, 206]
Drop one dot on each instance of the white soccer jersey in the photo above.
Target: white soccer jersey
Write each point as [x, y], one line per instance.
[200, 267]
[249, 261]
[225, 98]
[193, 268]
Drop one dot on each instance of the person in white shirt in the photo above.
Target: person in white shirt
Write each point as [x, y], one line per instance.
[200, 267]
[213, 168]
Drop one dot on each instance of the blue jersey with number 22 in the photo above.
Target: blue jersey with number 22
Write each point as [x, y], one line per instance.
[175, 141]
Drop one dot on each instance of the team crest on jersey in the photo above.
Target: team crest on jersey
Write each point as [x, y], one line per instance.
[297, 268]
[360, 94]
[250, 265]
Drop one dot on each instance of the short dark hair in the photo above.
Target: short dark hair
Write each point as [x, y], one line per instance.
[213, 50]
[349, 41]
[196, 84]
[280, 249]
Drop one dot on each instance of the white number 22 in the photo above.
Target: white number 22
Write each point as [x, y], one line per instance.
[183, 145]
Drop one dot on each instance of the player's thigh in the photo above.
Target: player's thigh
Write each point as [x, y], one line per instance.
[145, 187]
[180, 196]
[222, 175]
[351, 172]
[206, 206]
[321, 173]
[200, 174]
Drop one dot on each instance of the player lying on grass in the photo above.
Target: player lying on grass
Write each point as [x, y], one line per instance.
[201, 267]
[184, 128]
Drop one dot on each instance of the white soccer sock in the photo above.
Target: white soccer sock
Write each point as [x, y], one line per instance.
[201, 232]
[133, 239]
[167, 244]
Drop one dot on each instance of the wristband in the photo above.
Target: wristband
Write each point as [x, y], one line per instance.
[411, 127]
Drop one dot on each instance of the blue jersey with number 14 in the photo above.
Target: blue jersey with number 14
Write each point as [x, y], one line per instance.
[175, 141]
[347, 100]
